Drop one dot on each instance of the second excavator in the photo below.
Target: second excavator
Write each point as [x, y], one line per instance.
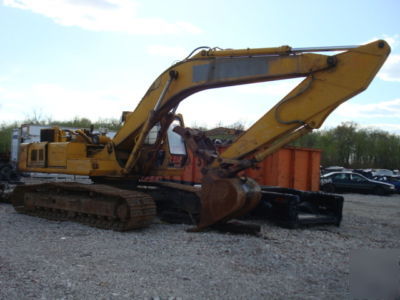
[154, 142]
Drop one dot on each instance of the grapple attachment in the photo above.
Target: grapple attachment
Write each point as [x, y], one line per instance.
[223, 194]
[226, 198]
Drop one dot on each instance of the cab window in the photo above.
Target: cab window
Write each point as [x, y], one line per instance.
[176, 143]
[151, 138]
[341, 176]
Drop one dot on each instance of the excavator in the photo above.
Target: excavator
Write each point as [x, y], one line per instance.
[153, 140]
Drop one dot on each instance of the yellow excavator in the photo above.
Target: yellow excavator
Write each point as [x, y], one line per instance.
[154, 142]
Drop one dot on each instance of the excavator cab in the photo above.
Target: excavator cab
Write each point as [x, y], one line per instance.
[164, 151]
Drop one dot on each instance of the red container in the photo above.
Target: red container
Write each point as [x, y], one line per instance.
[289, 167]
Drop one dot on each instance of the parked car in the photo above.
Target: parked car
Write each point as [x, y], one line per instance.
[369, 173]
[332, 169]
[353, 182]
[395, 180]
[383, 172]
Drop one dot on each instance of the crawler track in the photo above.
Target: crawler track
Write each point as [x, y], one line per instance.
[95, 205]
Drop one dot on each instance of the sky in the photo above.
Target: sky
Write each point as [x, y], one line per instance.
[61, 59]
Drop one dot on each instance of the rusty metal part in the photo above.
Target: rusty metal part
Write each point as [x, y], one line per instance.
[99, 206]
[223, 194]
[181, 187]
[200, 144]
[226, 198]
[205, 149]
[176, 203]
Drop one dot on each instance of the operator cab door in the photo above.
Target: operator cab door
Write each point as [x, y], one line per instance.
[166, 152]
[176, 146]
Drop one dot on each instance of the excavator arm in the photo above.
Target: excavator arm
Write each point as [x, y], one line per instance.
[308, 105]
[329, 81]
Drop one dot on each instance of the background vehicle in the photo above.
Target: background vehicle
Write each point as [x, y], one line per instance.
[365, 172]
[382, 172]
[332, 169]
[353, 182]
[389, 179]
[153, 140]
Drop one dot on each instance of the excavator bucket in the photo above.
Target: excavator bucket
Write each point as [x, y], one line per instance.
[226, 198]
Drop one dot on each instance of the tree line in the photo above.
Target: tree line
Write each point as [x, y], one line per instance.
[346, 145]
[351, 146]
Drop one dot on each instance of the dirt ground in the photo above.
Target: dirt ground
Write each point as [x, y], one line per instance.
[44, 259]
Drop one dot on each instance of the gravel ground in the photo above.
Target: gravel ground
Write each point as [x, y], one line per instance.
[41, 259]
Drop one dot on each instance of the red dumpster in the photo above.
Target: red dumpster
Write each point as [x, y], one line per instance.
[290, 167]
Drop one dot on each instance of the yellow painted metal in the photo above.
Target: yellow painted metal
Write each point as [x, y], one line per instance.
[103, 139]
[67, 158]
[37, 154]
[23, 159]
[134, 155]
[57, 155]
[244, 52]
[315, 98]
[330, 81]
[186, 84]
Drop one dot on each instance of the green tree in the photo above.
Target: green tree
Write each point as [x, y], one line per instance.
[350, 146]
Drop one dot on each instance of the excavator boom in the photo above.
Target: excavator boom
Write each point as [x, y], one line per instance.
[329, 81]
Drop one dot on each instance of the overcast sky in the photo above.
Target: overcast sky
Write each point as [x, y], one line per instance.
[96, 58]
